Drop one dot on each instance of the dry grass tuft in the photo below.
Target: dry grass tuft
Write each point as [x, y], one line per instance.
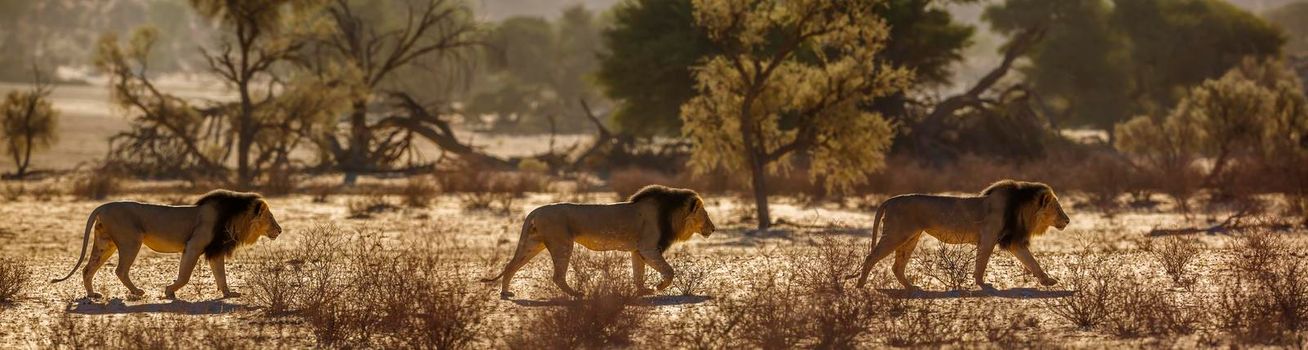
[14, 277]
[691, 273]
[1138, 309]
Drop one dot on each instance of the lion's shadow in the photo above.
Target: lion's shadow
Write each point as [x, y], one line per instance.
[658, 300]
[117, 306]
[1012, 293]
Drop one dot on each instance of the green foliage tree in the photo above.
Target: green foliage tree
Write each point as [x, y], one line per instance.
[653, 44]
[27, 122]
[1255, 115]
[1104, 60]
[539, 72]
[789, 80]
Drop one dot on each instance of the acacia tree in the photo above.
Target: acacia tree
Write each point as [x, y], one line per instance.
[363, 39]
[790, 78]
[28, 122]
[256, 37]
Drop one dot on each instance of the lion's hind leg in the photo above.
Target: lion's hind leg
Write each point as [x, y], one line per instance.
[561, 253]
[527, 249]
[894, 237]
[101, 249]
[902, 255]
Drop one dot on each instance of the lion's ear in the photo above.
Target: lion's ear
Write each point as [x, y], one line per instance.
[1046, 198]
[694, 205]
[259, 206]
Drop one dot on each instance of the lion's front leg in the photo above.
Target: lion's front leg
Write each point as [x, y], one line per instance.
[217, 265]
[655, 259]
[1029, 261]
[190, 256]
[638, 274]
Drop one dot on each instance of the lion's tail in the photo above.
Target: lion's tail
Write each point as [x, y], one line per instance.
[876, 230]
[526, 226]
[86, 237]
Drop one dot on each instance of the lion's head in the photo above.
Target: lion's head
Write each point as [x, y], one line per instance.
[1030, 209]
[681, 213]
[242, 219]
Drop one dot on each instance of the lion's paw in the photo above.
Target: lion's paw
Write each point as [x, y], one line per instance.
[644, 291]
[505, 295]
[231, 294]
[1048, 282]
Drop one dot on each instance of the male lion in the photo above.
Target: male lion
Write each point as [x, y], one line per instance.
[219, 222]
[1006, 213]
[645, 225]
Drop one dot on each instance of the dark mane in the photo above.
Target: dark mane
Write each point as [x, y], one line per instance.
[1015, 230]
[230, 205]
[669, 199]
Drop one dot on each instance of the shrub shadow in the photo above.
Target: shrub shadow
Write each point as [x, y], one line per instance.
[117, 306]
[1012, 293]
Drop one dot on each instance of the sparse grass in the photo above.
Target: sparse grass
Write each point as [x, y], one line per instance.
[14, 277]
[691, 273]
[1138, 309]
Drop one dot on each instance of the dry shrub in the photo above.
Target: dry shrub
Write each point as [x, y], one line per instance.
[603, 319]
[1175, 253]
[12, 191]
[480, 188]
[1104, 178]
[1003, 323]
[366, 206]
[1093, 280]
[921, 323]
[303, 282]
[691, 272]
[354, 292]
[14, 276]
[1263, 298]
[951, 265]
[1140, 310]
[279, 181]
[97, 185]
[44, 193]
[627, 181]
[418, 192]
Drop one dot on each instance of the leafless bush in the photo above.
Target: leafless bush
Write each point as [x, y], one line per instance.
[951, 265]
[481, 189]
[279, 181]
[14, 277]
[1175, 253]
[1263, 298]
[691, 273]
[368, 205]
[1002, 324]
[43, 193]
[603, 319]
[1137, 310]
[97, 185]
[418, 192]
[304, 281]
[1093, 280]
[921, 323]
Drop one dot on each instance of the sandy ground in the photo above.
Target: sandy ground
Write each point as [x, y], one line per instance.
[46, 235]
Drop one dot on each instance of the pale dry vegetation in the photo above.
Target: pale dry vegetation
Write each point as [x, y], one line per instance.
[14, 277]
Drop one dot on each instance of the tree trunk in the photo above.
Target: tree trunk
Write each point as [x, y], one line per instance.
[758, 173]
[360, 137]
[245, 139]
